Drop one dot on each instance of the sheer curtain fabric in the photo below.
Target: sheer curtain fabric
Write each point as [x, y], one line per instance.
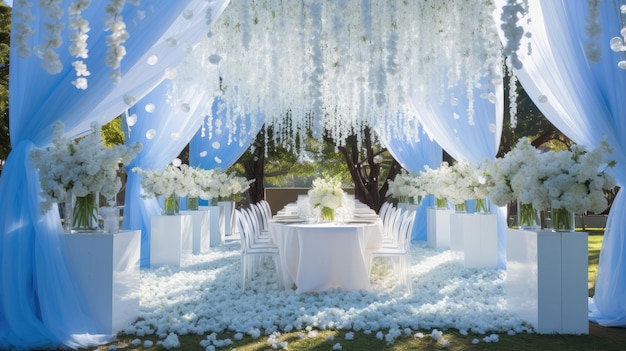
[41, 306]
[584, 100]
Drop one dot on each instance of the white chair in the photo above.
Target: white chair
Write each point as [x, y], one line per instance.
[400, 253]
[267, 210]
[392, 216]
[383, 209]
[257, 236]
[259, 211]
[251, 254]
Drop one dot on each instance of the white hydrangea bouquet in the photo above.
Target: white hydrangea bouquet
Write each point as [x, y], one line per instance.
[567, 181]
[80, 169]
[571, 181]
[467, 181]
[407, 187]
[231, 186]
[326, 194]
[436, 181]
[171, 183]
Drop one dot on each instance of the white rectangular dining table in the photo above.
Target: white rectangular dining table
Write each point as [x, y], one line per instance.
[318, 257]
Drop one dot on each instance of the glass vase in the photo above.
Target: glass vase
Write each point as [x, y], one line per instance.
[481, 206]
[441, 202]
[110, 219]
[460, 207]
[81, 213]
[192, 203]
[563, 220]
[327, 214]
[171, 205]
[528, 217]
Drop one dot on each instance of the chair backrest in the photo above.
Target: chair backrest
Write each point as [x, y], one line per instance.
[267, 210]
[406, 229]
[383, 210]
[258, 213]
[255, 224]
[244, 229]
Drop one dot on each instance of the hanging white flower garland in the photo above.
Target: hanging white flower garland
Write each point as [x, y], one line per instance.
[46, 51]
[345, 65]
[79, 36]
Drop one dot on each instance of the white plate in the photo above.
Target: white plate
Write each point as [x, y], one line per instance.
[359, 221]
[365, 215]
[290, 220]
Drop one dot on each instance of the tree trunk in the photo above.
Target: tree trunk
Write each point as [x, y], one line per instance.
[254, 169]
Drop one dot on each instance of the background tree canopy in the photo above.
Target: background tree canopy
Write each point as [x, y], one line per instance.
[5, 40]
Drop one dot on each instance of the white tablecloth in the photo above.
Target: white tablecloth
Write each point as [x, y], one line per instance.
[323, 256]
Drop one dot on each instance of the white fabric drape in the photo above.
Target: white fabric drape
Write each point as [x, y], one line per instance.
[470, 138]
[585, 101]
[413, 156]
[41, 306]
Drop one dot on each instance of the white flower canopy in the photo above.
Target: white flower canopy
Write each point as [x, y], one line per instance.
[392, 65]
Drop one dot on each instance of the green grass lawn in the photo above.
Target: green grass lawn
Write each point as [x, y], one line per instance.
[599, 338]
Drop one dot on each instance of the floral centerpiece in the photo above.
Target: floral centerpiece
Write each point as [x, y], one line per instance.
[434, 181]
[573, 181]
[75, 172]
[326, 194]
[566, 182]
[169, 183]
[460, 181]
[407, 187]
[232, 186]
[505, 175]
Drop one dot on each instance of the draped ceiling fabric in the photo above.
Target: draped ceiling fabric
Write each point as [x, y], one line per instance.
[585, 101]
[446, 118]
[159, 121]
[40, 305]
[220, 143]
[413, 156]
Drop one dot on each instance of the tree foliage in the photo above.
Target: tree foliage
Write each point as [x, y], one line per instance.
[531, 122]
[271, 164]
[112, 133]
[5, 39]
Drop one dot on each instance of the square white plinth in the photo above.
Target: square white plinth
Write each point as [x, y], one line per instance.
[547, 280]
[200, 221]
[170, 240]
[475, 238]
[438, 227]
[228, 208]
[216, 225]
[106, 268]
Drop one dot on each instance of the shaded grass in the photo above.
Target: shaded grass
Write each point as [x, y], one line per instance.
[599, 338]
[595, 244]
[367, 342]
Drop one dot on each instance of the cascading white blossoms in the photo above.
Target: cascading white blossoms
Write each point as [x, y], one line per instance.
[343, 65]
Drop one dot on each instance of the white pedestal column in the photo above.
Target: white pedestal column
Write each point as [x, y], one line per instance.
[216, 225]
[106, 268]
[170, 240]
[547, 280]
[475, 238]
[200, 221]
[229, 215]
[438, 227]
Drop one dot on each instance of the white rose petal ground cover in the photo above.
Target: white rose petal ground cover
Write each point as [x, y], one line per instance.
[205, 297]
